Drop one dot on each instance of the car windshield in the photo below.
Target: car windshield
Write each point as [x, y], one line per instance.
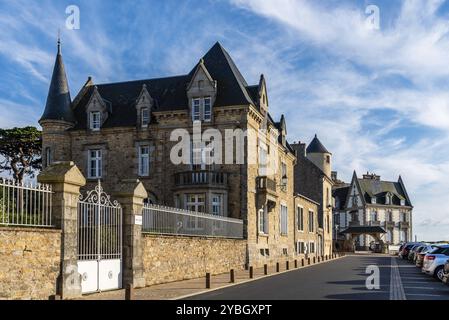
[439, 250]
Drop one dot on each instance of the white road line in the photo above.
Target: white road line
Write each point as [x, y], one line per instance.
[424, 294]
[396, 288]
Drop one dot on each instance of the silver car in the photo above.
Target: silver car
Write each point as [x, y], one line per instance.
[435, 260]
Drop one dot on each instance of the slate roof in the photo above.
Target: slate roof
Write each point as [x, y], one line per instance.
[342, 194]
[363, 229]
[316, 146]
[379, 189]
[58, 105]
[170, 93]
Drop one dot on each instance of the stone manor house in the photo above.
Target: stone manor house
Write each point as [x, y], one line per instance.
[117, 131]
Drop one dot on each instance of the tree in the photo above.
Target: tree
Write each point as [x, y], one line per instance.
[20, 151]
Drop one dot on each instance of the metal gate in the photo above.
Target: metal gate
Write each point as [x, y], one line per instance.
[99, 242]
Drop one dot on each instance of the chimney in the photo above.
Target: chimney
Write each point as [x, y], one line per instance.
[371, 176]
[300, 149]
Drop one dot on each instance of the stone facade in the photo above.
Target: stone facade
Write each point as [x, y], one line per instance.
[30, 262]
[167, 259]
[306, 233]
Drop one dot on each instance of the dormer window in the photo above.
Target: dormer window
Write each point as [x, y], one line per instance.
[373, 200]
[202, 109]
[95, 120]
[402, 202]
[145, 117]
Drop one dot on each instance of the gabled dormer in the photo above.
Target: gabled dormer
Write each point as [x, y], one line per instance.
[201, 93]
[144, 104]
[263, 95]
[97, 111]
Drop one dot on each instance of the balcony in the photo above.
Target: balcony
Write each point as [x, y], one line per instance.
[266, 185]
[404, 225]
[389, 224]
[373, 223]
[201, 178]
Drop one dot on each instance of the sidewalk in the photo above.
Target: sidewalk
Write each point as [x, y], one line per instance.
[180, 289]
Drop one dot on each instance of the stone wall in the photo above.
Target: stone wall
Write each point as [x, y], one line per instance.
[167, 259]
[29, 262]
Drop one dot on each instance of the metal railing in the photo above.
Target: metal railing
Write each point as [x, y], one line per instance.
[173, 221]
[25, 204]
[265, 183]
[201, 177]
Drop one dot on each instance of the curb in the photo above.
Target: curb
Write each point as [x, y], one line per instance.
[255, 279]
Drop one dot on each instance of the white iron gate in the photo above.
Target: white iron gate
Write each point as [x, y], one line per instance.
[99, 242]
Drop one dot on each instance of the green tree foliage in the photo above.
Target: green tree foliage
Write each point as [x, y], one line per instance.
[20, 151]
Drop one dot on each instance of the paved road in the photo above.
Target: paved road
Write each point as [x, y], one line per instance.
[342, 279]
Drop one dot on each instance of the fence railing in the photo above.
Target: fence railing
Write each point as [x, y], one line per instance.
[25, 204]
[172, 221]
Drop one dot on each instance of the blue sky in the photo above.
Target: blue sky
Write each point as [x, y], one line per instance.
[378, 99]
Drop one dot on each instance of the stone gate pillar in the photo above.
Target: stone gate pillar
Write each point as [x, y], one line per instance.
[130, 193]
[66, 180]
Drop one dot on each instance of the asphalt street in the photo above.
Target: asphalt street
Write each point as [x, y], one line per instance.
[342, 279]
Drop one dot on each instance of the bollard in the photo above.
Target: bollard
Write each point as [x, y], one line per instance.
[302, 262]
[319, 258]
[277, 266]
[287, 265]
[251, 272]
[296, 263]
[207, 280]
[232, 276]
[129, 292]
[265, 269]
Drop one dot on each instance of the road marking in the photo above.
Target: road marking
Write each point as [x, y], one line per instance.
[424, 294]
[396, 288]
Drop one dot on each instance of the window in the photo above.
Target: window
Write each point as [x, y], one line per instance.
[389, 236]
[312, 247]
[217, 204]
[263, 159]
[145, 116]
[285, 251]
[94, 164]
[207, 109]
[404, 217]
[403, 236]
[196, 105]
[328, 159]
[202, 157]
[202, 109]
[195, 202]
[300, 218]
[327, 224]
[373, 216]
[263, 221]
[284, 220]
[402, 202]
[144, 160]
[390, 216]
[48, 158]
[373, 200]
[300, 247]
[95, 120]
[311, 222]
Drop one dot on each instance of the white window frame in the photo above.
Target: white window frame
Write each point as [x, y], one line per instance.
[311, 221]
[94, 165]
[207, 115]
[144, 160]
[217, 204]
[283, 217]
[263, 221]
[194, 223]
[145, 117]
[300, 218]
[95, 124]
[196, 114]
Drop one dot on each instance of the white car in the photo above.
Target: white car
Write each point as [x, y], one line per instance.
[435, 260]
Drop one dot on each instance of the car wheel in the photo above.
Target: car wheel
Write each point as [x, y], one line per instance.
[438, 274]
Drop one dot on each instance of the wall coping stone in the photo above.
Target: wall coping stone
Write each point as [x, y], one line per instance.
[29, 229]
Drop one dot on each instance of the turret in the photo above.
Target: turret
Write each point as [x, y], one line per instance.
[58, 116]
[318, 154]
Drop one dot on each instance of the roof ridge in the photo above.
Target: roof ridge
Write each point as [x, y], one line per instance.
[141, 80]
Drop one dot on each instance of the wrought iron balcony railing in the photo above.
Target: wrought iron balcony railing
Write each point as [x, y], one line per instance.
[201, 178]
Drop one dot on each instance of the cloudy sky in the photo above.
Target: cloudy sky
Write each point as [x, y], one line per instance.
[377, 98]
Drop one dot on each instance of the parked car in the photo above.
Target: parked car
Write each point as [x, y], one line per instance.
[412, 252]
[434, 262]
[446, 272]
[420, 256]
[406, 249]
